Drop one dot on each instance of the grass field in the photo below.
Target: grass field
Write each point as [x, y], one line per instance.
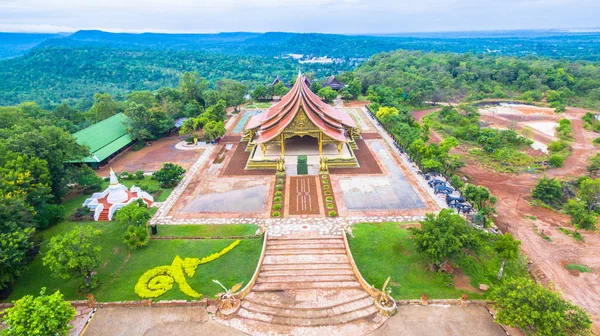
[385, 249]
[120, 269]
[258, 106]
[206, 230]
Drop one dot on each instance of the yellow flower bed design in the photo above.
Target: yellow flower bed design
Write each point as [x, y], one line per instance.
[159, 280]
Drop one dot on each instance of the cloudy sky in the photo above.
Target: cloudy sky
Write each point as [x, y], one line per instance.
[325, 16]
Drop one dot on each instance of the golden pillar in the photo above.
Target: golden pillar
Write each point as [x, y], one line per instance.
[340, 147]
[320, 143]
[263, 148]
[282, 145]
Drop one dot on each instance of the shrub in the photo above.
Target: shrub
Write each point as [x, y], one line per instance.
[596, 141]
[138, 145]
[169, 175]
[276, 214]
[557, 146]
[326, 186]
[277, 199]
[106, 179]
[279, 187]
[327, 192]
[279, 181]
[278, 193]
[277, 207]
[332, 213]
[280, 175]
[82, 214]
[136, 236]
[124, 175]
[548, 190]
[189, 140]
[139, 175]
[149, 188]
[556, 160]
[41, 315]
[329, 199]
[325, 181]
[329, 206]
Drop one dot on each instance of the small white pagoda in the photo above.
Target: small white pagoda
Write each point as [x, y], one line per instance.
[116, 196]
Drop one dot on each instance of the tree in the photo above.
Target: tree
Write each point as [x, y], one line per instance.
[482, 200]
[385, 113]
[508, 248]
[190, 128]
[42, 315]
[135, 213]
[169, 175]
[524, 304]
[327, 94]
[216, 112]
[14, 247]
[104, 107]
[594, 166]
[146, 124]
[75, 254]
[315, 87]
[146, 98]
[589, 193]
[279, 89]
[214, 129]
[581, 218]
[443, 236]
[192, 86]
[232, 92]
[354, 88]
[259, 93]
[548, 190]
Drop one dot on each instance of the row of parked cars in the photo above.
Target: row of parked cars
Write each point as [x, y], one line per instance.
[454, 202]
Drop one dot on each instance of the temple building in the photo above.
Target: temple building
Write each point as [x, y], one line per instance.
[333, 83]
[105, 204]
[301, 125]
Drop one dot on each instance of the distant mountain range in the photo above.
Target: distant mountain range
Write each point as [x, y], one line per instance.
[548, 43]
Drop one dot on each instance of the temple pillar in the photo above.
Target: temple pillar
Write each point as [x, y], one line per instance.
[263, 148]
[320, 143]
[282, 145]
[340, 146]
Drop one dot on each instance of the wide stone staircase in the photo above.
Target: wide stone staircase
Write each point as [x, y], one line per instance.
[306, 280]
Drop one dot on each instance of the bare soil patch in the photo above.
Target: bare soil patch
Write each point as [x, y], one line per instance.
[236, 166]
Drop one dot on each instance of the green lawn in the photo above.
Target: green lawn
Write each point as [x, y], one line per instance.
[206, 230]
[258, 106]
[120, 271]
[385, 249]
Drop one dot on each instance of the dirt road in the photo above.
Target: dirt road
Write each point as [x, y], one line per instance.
[548, 257]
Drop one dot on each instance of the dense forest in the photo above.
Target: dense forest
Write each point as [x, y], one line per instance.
[409, 78]
[53, 75]
[516, 43]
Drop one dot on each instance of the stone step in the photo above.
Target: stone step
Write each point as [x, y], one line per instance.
[339, 245]
[368, 312]
[323, 299]
[287, 286]
[304, 272]
[343, 308]
[304, 278]
[305, 267]
[306, 259]
[274, 242]
[307, 251]
[310, 236]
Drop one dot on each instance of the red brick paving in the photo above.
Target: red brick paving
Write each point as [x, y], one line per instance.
[366, 160]
[237, 164]
[303, 195]
[369, 136]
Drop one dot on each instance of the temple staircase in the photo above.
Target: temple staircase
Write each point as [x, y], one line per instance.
[306, 281]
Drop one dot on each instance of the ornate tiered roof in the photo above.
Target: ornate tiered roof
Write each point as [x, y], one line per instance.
[270, 123]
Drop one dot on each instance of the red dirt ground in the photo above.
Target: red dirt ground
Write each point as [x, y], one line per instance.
[548, 258]
[151, 157]
[237, 164]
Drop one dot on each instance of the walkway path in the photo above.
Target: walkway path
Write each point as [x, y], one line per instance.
[307, 286]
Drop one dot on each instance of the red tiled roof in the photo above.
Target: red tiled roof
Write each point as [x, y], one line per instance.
[275, 119]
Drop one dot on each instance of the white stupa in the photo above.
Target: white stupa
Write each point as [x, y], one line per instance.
[117, 193]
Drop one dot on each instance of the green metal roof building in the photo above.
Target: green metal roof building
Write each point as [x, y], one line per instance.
[105, 139]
